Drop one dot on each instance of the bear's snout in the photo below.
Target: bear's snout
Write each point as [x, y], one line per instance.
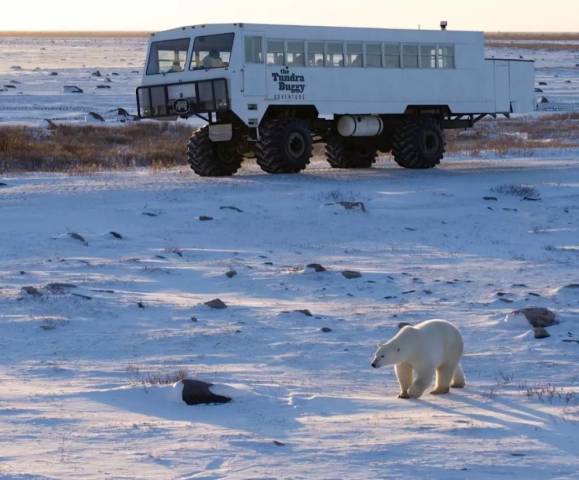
[374, 365]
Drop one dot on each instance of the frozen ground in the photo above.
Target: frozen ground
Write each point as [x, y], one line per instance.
[428, 245]
[34, 71]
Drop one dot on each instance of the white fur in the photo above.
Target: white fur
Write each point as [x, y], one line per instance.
[419, 352]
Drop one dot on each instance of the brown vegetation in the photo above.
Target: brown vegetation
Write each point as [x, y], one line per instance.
[89, 148]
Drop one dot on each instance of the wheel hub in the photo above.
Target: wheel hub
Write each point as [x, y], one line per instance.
[296, 146]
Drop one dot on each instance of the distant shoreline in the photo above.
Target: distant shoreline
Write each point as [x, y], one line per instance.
[546, 36]
[75, 34]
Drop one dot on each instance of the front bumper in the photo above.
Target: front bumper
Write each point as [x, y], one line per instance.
[183, 99]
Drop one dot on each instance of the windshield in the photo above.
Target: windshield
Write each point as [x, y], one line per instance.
[212, 51]
[168, 57]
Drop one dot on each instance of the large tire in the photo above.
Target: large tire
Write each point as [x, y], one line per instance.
[350, 153]
[285, 146]
[209, 159]
[419, 143]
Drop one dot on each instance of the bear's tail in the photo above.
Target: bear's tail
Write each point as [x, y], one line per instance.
[458, 380]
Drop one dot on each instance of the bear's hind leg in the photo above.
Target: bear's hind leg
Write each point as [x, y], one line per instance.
[404, 375]
[422, 381]
[443, 379]
[458, 380]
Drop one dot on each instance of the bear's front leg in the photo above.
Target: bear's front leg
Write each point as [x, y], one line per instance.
[404, 375]
[422, 381]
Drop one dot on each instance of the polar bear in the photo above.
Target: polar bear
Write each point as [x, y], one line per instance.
[429, 347]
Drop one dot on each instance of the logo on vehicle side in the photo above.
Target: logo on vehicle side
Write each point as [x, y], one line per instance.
[288, 82]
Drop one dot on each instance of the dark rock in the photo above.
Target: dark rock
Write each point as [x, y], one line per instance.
[141, 305]
[103, 87]
[543, 84]
[59, 288]
[401, 325]
[32, 291]
[196, 392]
[194, 319]
[77, 236]
[317, 267]
[353, 206]
[538, 317]
[116, 235]
[326, 330]
[204, 218]
[408, 292]
[10, 86]
[278, 443]
[235, 209]
[539, 90]
[351, 274]
[150, 214]
[2, 184]
[216, 304]
[97, 74]
[305, 312]
[54, 74]
[491, 199]
[541, 332]
[231, 274]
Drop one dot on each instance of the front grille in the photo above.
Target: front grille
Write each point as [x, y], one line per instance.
[183, 99]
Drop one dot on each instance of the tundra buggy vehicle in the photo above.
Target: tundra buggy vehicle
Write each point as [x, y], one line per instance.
[273, 90]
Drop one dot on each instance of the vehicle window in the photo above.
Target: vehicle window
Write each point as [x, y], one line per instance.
[334, 55]
[296, 53]
[373, 55]
[212, 51]
[354, 55]
[253, 50]
[169, 56]
[315, 54]
[410, 56]
[446, 57]
[275, 52]
[392, 56]
[428, 56]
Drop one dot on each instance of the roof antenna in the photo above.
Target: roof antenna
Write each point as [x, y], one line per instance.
[443, 25]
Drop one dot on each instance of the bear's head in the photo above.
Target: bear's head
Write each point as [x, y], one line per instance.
[397, 350]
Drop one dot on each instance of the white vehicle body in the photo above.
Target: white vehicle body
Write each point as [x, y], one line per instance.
[339, 71]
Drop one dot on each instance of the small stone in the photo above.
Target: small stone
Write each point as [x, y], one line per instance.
[235, 209]
[231, 274]
[326, 329]
[2, 184]
[32, 291]
[141, 305]
[196, 392]
[541, 332]
[216, 304]
[351, 274]
[116, 235]
[97, 74]
[278, 443]
[77, 236]
[408, 292]
[538, 317]
[353, 206]
[204, 218]
[194, 319]
[150, 214]
[316, 267]
[491, 199]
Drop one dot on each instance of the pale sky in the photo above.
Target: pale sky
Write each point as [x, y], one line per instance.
[488, 15]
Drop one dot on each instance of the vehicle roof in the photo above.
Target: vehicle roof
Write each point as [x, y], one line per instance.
[321, 31]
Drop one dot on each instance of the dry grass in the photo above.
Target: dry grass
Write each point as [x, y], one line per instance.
[544, 36]
[534, 41]
[81, 149]
[520, 135]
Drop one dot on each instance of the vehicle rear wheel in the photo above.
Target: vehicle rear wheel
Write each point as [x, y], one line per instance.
[285, 146]
[213, 159]
[349, 153]
[419, 143]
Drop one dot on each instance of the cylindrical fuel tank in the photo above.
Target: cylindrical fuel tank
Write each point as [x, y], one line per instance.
[360, 126]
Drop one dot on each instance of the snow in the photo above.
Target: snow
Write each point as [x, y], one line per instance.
[306, 403]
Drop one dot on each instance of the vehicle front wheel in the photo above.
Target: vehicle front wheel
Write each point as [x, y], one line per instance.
[213, 159]
[419, 143]
[285, 146]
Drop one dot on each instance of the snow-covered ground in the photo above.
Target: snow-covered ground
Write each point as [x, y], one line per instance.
[428, 245]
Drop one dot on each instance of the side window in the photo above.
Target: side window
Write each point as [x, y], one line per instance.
[374, 55]
[275, 52]
[315, 54]
[354, 55]
[334, 54]
[168, 57]
[296, 53]
[428, 56]
[212, 51]
[253, 49]
[410, 56]
[446, 57]
[392, 55]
